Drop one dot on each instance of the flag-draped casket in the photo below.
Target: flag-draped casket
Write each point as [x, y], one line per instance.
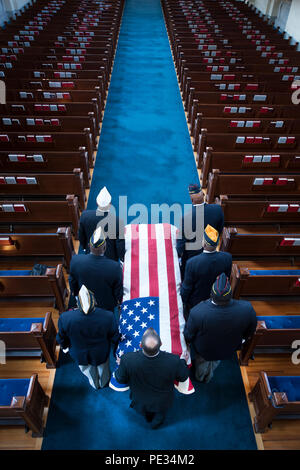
[152, 293]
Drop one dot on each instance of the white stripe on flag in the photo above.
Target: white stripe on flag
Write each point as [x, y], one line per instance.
[164, 306]
[143, 261]
[178, 283]
[127, 264]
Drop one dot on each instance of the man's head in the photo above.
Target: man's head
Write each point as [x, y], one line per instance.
[210, 238]
[97, 242]
[151, 342]
[196, 194]
[103, 200]
[221, 292]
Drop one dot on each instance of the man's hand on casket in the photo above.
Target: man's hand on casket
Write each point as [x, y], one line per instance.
[118, 360]
[185, 355]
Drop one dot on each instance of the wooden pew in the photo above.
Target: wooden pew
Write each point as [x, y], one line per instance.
[43, 185]
[90, 109]
[51, 74]
[249, 162]
[61, 97]
[22, 285]
[55, 245]
[235, 65]
[17, 215]
[197, 111]
[260, 211]
[235, 125]
[275, 397]
[66, 141]
[30, 337]
[198, 102]
[215, 81]
[252, 185]
[239, 142]
[240, 124]
[236, 99]
[249, 283]
[46, 65]
[59, 56]
[33, 123]
[54, 84]
[247, 55]
[45, 162]
[273, 335]
[250, 241]
[220, 60]
[236, 111]
[23, 402]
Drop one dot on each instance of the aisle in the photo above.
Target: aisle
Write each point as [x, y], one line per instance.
[146, 154]
[144, 151]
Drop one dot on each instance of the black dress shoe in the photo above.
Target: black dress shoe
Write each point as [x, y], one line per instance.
[149, 416]
[157, 420]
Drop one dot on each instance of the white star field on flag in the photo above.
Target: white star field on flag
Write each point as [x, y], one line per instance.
[137, 315]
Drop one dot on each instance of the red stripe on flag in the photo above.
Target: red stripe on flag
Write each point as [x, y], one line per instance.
[152, 252]
[134, 283]
[173, 304]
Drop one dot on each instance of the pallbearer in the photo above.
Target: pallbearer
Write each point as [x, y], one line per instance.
[99, 274]
[191, 230]
[105, 217]
[202, 270]
[217, 327]
[87, 333]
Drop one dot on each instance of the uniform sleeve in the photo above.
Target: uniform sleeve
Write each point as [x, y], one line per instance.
[221, 220]
[187, 285]
[121, 373]
[114, 334]
[62, 337]
[118, 286]
[228, 271]
[74, 286]
[120, 242]
[180, 242]
[190, 329]
[250, 330]
[82, 235]
[182, 371]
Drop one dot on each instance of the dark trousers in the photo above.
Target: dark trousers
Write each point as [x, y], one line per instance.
[156, 419]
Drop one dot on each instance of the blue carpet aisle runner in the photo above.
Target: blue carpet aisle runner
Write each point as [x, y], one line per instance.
[146, 154]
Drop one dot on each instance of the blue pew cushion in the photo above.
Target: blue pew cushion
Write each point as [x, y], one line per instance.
[18, 272]
[281, 322]
[10, 388]
[290, 385]
[18, 324]
[275, 272]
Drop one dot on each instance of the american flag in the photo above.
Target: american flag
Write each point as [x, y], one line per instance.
[136, 316]
[152, 293]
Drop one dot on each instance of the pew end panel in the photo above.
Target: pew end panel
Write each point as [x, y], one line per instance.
[273, 335]
[274, 404]
[58, 286]
[27, 409]
[56, 245]
[30, 338]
